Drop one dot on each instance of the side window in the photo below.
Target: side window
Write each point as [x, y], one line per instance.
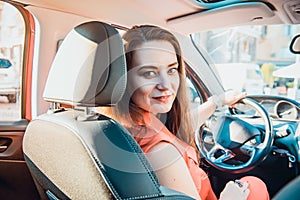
[12, 32]
[194, 96]
[192, 92]
[196, 89]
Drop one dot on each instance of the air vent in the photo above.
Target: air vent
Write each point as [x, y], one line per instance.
[215, 3]
[209, 1]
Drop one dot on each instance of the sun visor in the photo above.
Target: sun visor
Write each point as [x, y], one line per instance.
[219, 17]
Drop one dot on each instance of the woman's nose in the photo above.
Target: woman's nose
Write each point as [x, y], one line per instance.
[164, 82]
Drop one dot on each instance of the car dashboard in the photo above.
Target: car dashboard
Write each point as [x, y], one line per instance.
[282, 163]
[285, 116]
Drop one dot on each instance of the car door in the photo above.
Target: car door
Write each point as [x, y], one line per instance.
[16, 31]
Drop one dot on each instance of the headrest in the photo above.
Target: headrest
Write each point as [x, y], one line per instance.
[89, 68]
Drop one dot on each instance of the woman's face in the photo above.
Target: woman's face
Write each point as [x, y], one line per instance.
[153, 78]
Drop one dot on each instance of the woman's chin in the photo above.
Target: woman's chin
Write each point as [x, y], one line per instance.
[160, 109]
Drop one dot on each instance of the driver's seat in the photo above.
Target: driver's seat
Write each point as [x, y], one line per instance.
[74, 153]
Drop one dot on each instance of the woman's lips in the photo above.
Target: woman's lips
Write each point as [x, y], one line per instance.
[163, 99]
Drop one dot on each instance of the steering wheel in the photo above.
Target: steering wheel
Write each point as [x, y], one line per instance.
[238, 140]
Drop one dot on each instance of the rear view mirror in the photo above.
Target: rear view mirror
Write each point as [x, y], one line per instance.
[295, 45]
[5, 63]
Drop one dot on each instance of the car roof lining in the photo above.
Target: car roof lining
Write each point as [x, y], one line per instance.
[162, 15]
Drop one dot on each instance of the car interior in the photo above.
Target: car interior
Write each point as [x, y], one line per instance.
[92, 139]
[72, 61]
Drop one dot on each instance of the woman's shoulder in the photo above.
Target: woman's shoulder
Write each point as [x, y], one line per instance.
[148, 139]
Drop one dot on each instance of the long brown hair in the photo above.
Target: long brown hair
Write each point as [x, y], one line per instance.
[177, 120]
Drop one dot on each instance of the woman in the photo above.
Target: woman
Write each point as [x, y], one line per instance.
[155, 109]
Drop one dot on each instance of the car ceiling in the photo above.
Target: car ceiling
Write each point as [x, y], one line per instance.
[184, 16]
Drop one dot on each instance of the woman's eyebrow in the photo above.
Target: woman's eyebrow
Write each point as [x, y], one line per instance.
[147, 67]
[154, 67]
[175, 63]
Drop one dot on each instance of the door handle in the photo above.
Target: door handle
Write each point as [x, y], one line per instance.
[4, 143]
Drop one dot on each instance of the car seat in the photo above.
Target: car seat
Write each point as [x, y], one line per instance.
[289, 191]
[75, 153]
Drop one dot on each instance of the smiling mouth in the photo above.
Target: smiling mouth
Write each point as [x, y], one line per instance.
[163, 99]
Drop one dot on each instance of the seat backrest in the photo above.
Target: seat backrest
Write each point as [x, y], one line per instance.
[289, 191]
[77, 154]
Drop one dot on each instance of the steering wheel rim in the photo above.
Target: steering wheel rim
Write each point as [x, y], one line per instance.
[257, 153]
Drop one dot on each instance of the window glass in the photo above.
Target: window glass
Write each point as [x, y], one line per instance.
[246, 58]
[192, 92]
[12, 32]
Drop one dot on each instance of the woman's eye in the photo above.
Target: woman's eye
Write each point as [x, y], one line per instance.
[149, 74]
[173, 70]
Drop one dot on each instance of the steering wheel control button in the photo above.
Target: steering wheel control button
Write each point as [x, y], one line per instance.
[282, 131]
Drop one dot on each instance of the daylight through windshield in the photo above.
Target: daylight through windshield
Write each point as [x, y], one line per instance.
[251, 58]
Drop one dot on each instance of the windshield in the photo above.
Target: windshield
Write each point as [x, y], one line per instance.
[246, 57]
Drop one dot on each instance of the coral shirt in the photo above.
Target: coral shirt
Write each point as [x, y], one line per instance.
[147, 138]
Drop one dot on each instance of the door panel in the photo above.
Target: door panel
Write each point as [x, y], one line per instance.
[15, 179]
[11, 136]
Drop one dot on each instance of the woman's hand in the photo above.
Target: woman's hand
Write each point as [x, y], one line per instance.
[235, 190]
[230, 97]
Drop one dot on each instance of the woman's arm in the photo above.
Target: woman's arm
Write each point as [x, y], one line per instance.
[202, 113]
[205, 110]
[171, 169]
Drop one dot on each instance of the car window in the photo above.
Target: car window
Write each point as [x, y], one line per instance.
[246, 57]
[11, 52]
[192, 92]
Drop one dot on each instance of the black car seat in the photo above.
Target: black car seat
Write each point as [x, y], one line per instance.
[289, 191]
[74, 153]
